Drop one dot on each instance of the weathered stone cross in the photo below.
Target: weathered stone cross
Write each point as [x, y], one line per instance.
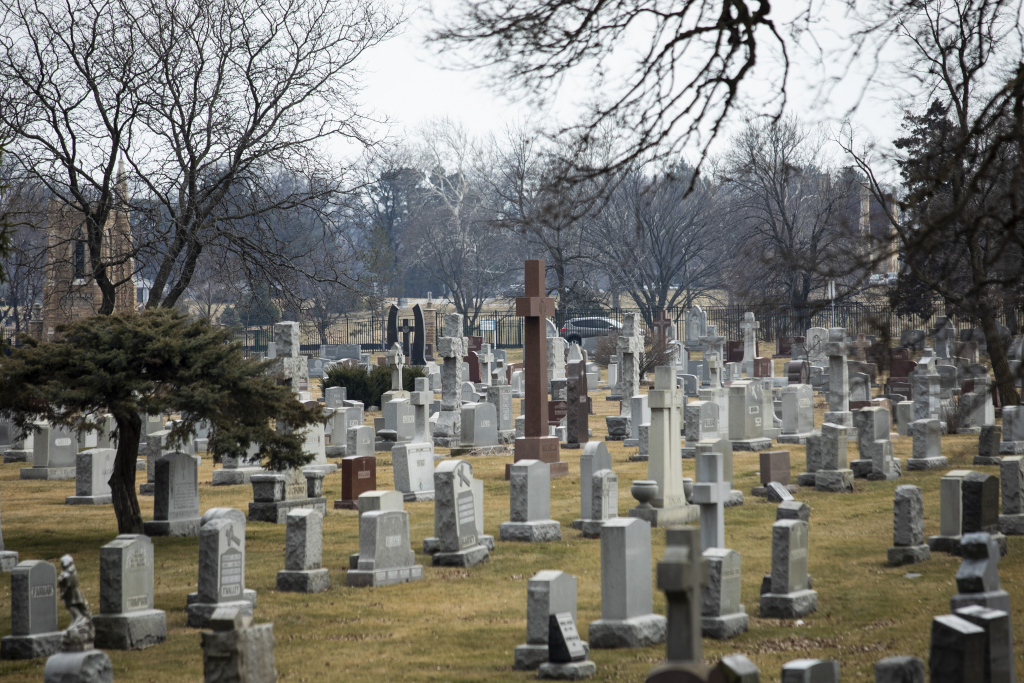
[681, 575]
[396, 359]
[861, 346]
[661, 325]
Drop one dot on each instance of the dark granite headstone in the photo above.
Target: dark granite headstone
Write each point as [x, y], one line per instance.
[980, 496]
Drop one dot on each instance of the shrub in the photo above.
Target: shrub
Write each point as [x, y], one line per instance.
[369, 386]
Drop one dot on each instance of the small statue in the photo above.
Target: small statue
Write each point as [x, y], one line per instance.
[80, 634]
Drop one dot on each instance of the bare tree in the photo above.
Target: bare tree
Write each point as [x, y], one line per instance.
[795, 214]
[962, 162]
[661, 242]
[539, 199]
[216, 109]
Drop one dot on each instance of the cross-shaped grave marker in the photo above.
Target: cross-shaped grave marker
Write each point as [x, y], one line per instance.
[861, 346]
[406, 329]
[661, 325]
[396, 359]
[711, 491]
[714, 343]
[486, 358]
[681, 575]
[630, 345]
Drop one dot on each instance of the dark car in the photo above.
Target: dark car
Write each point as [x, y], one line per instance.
[578, 329]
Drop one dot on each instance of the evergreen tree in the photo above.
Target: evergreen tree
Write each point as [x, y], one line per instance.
[130, 364]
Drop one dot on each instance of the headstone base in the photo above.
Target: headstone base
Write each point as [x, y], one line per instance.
[90, 666]
[735, 499]
[531, 532]
[725, 627]
[799, 439]
[131, 630]
[895, 472]
[177, 527]
[999, 538]
[558, 469]
[360, 578]
[327, 468]
[17, 456]
[467, 557]
[762, 491]
[30, 647]
[969, 430]
[772, 432]
[572, 671]
[1005, 448]
[1011, 525]
[249, 595]
[277, 512]
[528, 657]
[147, 489]
[591, 528]
[677, 515]
[806, 478]
[417, 496]
[844, 418]
[861, 468]
[984, 460]
[235, 477]
[992, 600]
[914, 464]
[383, 446]
[303, 581]
[8, 560]
[642, 631]
[571, 446]
[432, 545]
[834, 481]
[498, 449]
[754, 445]
[140, 464]
[908, 554]
[507, 437]
[943, 544]
[643, 457]
[336, 451]
[631, 443]
[199, 613]
[48, 473]
[788, 605]
[89, 500]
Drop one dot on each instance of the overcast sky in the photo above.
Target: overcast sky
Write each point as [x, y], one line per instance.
[409, 84]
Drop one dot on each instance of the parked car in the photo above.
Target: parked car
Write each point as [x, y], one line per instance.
[578, 329]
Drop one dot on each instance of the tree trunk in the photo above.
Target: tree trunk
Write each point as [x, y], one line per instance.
[997, 354]
[122, 480]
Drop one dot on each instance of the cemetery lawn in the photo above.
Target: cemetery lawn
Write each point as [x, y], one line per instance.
[462, 625]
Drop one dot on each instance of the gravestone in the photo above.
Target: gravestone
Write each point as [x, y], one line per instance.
[530, 505]
[927, 448]
[682, 575]
[555, 347]
[627, 618]
[639, 413]
[701, 423]
[479, 430]
[749, 327]
[746, 418]
[303, 554]
[908, 546]
[1011, 477]
[950, 512]
[93, 469]
[289, 368]
[775, 467]
[668, 506]
[577, 420]
[548, 592]
[1013, 431]
[534, 307]
[54, 449]
[833, 475]
[276, 494]
[876, 461]
[810, 671]
[696, 322]
[604, 495]
[798, 372]
[417, 351]
[127, 620]
[789, 595]
[176, 498]
[455, 520]
[358, 475]
[904, 416]
[838, 379]
[237, 470]
[413, 463]
[567, 653]
[630, 345]
[710, 492]
[998, 657]
[816, 339]
[722, 614]
[797, 414]
[447, 430]
[34, 631]
[926, 386]
[500, 397]
[9, 558]
[238, 650]
[221, 571]
[957, 650]
[360, 441]
[860, 387]
[385, 553]
[595, 457]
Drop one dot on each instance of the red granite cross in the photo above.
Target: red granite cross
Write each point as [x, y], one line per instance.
[661, 325]
[535, 307]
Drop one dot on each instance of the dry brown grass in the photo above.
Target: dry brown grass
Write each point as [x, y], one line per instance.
[461, 625]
